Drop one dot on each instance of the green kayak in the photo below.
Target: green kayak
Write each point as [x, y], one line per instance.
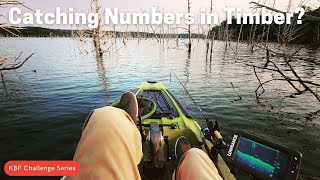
[162, 116]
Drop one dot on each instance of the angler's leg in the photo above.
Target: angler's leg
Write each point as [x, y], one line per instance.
[195, 164]
[110, 146]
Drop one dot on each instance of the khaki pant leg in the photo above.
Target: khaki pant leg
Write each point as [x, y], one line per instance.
[196, 164]
[110, 146]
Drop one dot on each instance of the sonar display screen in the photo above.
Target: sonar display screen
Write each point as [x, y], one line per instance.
[261, 158]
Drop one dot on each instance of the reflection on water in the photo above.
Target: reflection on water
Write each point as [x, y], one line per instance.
[42, 112]
[102, 73]
[187, 72]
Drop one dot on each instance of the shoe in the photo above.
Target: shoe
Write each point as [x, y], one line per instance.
[182, 146]
[128, 103]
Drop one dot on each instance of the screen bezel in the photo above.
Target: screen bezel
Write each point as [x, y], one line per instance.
[292, 154]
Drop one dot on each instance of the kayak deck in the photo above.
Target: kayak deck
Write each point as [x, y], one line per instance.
[173, 121]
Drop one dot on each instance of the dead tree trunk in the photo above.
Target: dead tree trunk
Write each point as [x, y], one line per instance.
[209, 34]
[97, 33]
[226, 35]
[189, 29]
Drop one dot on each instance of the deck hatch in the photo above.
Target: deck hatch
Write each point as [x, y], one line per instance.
[165, 108]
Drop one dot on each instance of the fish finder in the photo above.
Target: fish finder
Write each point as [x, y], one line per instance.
[262, 159]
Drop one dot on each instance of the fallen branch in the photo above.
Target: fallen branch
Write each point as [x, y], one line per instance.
[16, 66]
[300, 81]
[287, 78]
[256, 91]
[265, 83]
[281, 73]
[236, 93]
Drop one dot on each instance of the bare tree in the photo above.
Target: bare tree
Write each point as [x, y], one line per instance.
[11, 63]
[97, 32]
[306, 16]
[189, 29]
[209, 34]
[214, 33]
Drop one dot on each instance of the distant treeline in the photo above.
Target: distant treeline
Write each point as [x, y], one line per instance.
[46, 32]
[306, 33]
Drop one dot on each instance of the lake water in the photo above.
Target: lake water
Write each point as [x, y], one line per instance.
[41, 113]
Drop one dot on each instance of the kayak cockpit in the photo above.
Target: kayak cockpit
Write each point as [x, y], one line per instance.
[162, 120]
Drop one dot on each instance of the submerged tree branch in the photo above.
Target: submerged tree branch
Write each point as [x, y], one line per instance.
[18, 65]
[256, 91]
[300, 81]
[235, 92]
[287, 78]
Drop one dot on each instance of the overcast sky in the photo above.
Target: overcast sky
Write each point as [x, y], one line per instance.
[170, 5]
[166, 5]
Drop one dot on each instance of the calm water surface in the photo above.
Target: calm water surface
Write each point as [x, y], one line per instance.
[41, 113]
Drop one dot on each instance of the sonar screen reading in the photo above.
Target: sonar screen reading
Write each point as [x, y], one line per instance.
[261, 158]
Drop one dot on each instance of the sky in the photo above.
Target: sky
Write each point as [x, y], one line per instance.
[170, 5]
[166, 5]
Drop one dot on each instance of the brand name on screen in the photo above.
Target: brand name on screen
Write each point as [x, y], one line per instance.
[233, 142]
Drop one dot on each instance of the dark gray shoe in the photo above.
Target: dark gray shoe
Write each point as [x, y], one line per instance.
[128, 103]
[182, 146]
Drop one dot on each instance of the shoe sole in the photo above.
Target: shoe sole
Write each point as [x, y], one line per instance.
[136, 103]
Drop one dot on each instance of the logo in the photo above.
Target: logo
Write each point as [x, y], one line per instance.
[233, 142]
[41, 168]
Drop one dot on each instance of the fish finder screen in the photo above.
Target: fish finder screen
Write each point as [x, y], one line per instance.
[261, 159]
